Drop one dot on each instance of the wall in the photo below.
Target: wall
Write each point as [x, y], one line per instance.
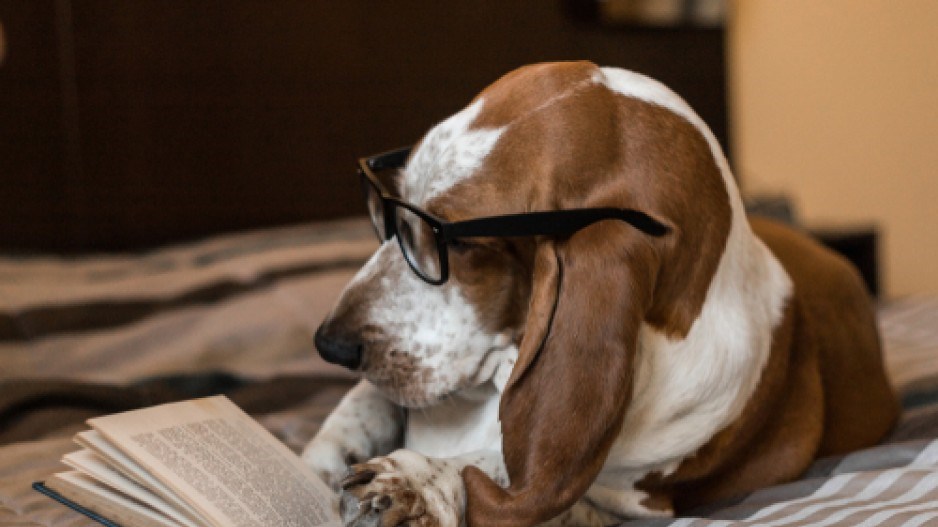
[836, 103]
[125, 125]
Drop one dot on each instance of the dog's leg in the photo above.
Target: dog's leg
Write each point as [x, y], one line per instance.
[407, 488]
[362, 426]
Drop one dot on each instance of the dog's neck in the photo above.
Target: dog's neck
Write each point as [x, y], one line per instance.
[460, 424]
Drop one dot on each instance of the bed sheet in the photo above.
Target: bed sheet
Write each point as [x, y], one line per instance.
[238, 313]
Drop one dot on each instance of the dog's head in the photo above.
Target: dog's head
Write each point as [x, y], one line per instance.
[554, 320]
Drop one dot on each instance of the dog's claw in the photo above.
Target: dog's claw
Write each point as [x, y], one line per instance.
[357, 476]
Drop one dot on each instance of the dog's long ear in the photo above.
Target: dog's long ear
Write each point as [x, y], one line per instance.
[568, 392]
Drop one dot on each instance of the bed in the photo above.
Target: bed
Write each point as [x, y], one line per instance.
[236, 315]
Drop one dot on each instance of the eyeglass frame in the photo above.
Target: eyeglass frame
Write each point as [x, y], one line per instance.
[564, 222]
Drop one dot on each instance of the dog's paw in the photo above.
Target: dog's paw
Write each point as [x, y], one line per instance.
[404, 488]
[329, 460]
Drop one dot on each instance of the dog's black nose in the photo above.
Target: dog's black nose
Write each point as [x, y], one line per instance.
[337, 349]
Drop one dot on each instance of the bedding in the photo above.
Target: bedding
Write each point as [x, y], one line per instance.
[236, 315]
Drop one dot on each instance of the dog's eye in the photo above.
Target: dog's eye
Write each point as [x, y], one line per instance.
[460, 246]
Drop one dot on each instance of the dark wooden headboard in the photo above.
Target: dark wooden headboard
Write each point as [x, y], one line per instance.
[125, 125]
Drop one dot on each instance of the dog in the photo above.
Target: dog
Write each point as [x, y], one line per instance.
[618, 369]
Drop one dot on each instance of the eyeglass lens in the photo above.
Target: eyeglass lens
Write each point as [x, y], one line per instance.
[375, 207]
[418, 243]
[415, 236]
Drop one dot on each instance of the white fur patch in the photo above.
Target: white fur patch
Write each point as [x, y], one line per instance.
[363, 424]
[448, 154]
[460, 424]
[688, 390]
[433, 330]
[625, 503]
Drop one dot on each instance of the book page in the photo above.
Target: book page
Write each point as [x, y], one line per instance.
[92, 495]
[226, 465]
[89, 464]
[94, 442]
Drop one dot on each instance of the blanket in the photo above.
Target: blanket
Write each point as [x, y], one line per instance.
[236, 315]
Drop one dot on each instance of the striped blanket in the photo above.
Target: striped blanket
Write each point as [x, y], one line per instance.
[894, 485]
[246, 304]
[238, 313]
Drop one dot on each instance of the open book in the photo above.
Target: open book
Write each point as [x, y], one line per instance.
[198, 463]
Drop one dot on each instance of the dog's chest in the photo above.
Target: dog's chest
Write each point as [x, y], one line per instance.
[458, 425]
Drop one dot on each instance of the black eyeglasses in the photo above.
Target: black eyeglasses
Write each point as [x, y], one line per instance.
[424, 238]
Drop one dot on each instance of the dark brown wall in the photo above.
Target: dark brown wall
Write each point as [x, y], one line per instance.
[125, 124]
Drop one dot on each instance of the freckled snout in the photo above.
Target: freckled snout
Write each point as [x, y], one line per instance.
[338, 348]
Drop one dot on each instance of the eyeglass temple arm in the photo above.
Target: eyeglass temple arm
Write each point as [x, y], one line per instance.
[556, 222]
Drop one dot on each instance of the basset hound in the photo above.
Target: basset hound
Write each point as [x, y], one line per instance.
[572, 321]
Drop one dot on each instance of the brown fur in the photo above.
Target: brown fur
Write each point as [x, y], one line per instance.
[608, 150]
[576, 426]
[572, 143]
[808, 402]
[838, 318]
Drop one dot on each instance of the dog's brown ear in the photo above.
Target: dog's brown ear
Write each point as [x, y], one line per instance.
[565, 401]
